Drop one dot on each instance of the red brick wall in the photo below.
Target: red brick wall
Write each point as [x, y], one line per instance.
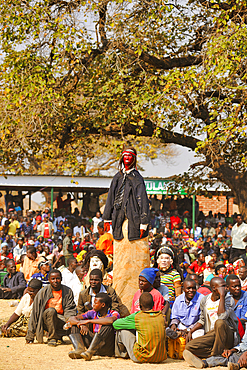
[214, 204]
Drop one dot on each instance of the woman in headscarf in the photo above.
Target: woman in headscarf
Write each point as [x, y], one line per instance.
[17, 324]
[166, 261]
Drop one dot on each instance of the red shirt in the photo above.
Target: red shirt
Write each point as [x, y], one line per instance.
[196, 268]
[175, 221]
[157, 297]
[46, 231]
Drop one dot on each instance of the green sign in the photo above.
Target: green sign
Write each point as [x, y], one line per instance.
[161, 187]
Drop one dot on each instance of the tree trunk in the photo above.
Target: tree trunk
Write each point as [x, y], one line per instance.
[241, 196]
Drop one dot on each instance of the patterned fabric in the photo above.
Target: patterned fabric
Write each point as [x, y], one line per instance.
[169, 279]
[18, 328]
[96, 315]
[150, 346]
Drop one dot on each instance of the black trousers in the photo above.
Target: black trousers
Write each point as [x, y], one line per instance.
[107, 334]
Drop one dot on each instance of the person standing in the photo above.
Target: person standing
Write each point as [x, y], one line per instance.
[239, 238]
[127, 206]
[68, 246]
[46, 228]
[96, 220]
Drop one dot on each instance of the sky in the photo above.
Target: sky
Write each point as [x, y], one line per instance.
[180, 164]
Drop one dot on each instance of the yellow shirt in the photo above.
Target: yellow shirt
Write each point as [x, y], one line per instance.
[16, 223]
[12, 229]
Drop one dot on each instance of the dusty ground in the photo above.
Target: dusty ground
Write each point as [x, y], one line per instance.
[16, 355]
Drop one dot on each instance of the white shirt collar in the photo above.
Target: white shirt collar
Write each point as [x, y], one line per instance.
[102, 290]
[128, 171]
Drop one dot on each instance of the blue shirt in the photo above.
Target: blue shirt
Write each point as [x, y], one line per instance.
[242, 346]
[240, 308]
[41, 277]
[187, 314]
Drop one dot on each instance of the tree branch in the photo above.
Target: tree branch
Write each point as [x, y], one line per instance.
[197, 164]
[165, 63]
[218, 95]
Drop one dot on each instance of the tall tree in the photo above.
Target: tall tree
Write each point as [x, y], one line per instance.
[76, 71]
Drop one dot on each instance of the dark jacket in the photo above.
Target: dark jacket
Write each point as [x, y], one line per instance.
[84, 297]
[16, 283]
[35, 324]
[135, 206]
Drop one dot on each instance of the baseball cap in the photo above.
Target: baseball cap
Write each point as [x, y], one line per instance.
[42, 263]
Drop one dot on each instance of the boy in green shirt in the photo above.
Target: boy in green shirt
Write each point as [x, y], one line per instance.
[149, 325]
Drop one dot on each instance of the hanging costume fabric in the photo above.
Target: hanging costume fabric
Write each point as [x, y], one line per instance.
[128, 207]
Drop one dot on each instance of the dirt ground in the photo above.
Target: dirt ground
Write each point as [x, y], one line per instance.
[16, 355]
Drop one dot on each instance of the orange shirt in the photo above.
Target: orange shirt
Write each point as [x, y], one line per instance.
[105, 243]
[30, 267]
[56, 301]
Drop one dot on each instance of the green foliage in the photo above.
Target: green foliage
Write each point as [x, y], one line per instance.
[81, 78]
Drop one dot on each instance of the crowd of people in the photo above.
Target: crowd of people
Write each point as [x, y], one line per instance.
[191, 301]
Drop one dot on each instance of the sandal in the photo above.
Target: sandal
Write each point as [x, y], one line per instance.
[52, 343]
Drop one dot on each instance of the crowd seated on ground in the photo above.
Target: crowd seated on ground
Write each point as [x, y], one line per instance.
[192, 298]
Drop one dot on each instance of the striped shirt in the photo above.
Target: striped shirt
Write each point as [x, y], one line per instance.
[150, 344]
[169, 279]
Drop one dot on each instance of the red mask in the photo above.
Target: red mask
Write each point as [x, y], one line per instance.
[128, 160]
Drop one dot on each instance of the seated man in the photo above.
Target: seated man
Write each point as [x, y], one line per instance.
[42, 275]
[146, 280]
[185, 312]
[69, 274]
[242, 272]
[105, 242]
[101, 340]
[88, 295]
[234, 358]
[219, 322]
[13, 283]
[240, 298]
[77, 284]
[31, 262]
[52, 306]
[19, 250]
[149, 324]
